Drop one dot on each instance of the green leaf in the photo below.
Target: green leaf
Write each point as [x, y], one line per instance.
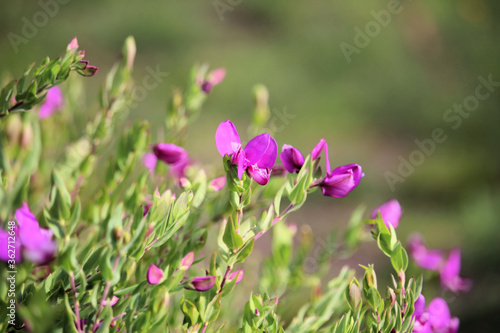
[245, 251]
[231, 237]
[399, 258]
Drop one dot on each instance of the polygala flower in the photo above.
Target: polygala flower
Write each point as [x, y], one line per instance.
[111, 302]
[237, 274]
[435, 319]
[424, 257]
[218, 184]
[73, 45]
[187, 261]
[391, 213]
[203, 283]
[449, 273]
[291, 158]
[169, 153]
[213, 78]
[258, 156]
[155, 274]
[53, 102]
[337, 183]
[341, 181]
[32, 242]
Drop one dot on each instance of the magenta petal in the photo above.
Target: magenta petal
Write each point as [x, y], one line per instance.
[53, 101]
[419, 307]
[237, 274]
[112, 302]
[341, 181]
[424, 257]
[317, 150]
[450, 278]
[239, 158]
[218, 183]
[227, 139]
[261, 176]
[155, 274]
[453, 325]
[178, 168]
[169, 153]
[203, 283]
[391, 213]
[291, 158]
[4, 251]
[262, 151]
[149, 160]
[217, 75]
[187, 261]
[439, 314]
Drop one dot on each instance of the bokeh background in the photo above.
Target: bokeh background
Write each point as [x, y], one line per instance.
[370, 106]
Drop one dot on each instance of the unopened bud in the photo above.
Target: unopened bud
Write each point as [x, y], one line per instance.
[353, 294]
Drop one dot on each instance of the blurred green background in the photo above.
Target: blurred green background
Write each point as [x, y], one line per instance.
[370, 108]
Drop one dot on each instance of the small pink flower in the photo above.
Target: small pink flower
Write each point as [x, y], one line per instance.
[112, 302]
[53, 102]
[155, 274]
[73, 45]
[187, 261]
[218, 183]
[391, 213]
[149, 160]
[424, 257]
[237, 274]
[450, 274]
[203, 283]
[213, 78]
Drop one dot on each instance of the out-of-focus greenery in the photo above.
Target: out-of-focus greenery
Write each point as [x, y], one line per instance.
[394, 91]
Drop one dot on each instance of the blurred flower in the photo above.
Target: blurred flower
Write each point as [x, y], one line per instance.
[149, 160]
[257, 158]
[291, 158]
[36, 243]
[53, 101]
[237, 274]
[449, 273]
[203, 283]
[4, 251]
[435, 319]
[218, 183]
[112, 302]
[155, 274]
[424, 257]
[73, 45]
[342, 180]
[169, 153]
[187, 261]
[213, 78]
[390, 211]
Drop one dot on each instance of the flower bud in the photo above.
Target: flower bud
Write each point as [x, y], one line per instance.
[291, 158]
[155, 275]
[203, 283]
[353, 294]
[187, 261]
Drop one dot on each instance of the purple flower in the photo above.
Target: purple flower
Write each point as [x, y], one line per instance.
[36, 243]
[4, 251]
[424, 257]
[203, 283]
[342, 180]
[149, 160]
[169, 153]
[291, 158]
[187, 261]
[53, 101]
[390, 211]
[177, 157]
[213, 78]
[218, 183]
[449, 273]
[322, 145]
[257, 158]
[155, 274]
[435, 319]
[237, 274]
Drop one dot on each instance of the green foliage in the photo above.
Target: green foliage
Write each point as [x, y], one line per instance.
[112, 221]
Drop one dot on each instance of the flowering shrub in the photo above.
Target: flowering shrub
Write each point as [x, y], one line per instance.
[139, 237]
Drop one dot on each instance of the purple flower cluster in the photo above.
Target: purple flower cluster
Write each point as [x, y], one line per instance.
[337, 183]
[258, 156]
[32, 242]
[435, 318]
[433, 259]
